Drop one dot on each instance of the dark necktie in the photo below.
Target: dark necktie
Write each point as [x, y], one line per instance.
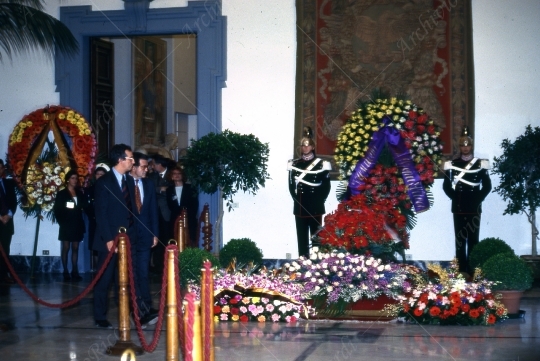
[127, 199]
[3, 200]
[138, 201]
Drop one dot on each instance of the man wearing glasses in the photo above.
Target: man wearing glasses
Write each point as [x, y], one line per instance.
[114, 207]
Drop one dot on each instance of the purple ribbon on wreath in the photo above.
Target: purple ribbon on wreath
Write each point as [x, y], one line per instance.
[391, 137]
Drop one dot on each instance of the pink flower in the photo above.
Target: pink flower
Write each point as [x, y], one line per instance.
[269, 307]
[275, 317]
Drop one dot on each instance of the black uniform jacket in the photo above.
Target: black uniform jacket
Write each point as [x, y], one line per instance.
[467, 198]
[309, 191]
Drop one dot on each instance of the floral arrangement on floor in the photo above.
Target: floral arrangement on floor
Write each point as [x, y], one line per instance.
[231, 307]
[335, 279]
[365, 225]
[249, 296]
[450, 300]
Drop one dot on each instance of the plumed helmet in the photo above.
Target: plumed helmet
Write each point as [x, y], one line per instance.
[466, 138]
[307, 137]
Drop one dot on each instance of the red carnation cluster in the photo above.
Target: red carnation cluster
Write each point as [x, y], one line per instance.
[363, 224]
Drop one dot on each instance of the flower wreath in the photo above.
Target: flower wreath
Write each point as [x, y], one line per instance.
[76, 132]
[390, 149]
[419, 132]
[39, 169]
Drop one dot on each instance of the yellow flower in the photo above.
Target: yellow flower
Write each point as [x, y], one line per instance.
[256, 299]
[384, 107]
[61, 116]
[388, 112]
[398, 110]
[261, 318]
[235, 317]
[216, 319]
[77, 116]
[380, 115]
[349, 158]
[358, 139]
[361, 131]
[354, 125]
[366, 135]
[225, 309]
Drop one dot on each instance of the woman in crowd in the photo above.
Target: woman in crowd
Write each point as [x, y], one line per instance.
[68, 211]
[181, 195]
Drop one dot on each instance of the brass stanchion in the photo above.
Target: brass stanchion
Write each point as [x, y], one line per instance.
[172, 314]
[180, 234]
[187, 240]
[124, 332]
[207, 229]
[196, 352]
[207, 298]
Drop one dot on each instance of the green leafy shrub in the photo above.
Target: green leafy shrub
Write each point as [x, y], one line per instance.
[191, 261]
[487, 248]
[510, 271]
[243, 249]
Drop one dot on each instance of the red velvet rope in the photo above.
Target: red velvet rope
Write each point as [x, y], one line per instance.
[67, 303]
[190, 298]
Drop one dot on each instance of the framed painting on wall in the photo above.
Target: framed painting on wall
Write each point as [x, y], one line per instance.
[149, 83]
[348, 49]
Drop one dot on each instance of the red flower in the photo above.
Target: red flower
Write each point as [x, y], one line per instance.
[217, 309]
[465, 307]
[244, 318]
[234, 310]
[418, 312]
[412, 115]
[474, 313]
[434, 311]
[491, 319]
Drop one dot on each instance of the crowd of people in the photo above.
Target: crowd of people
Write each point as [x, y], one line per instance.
[143, 194]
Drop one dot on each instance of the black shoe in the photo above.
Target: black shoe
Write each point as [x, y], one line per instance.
[103, 324]
[152, 311]
[67, 277]
[149, 319]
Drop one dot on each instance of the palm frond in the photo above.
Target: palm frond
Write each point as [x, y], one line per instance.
[25, 27]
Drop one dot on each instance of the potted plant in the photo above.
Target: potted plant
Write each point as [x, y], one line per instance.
[243, 250]
[487, 248]
[227, 162]
[512, 276]
[519, 171]
[191, 261]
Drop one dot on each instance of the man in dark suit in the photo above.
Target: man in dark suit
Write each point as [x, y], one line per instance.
[309, 186]
[147, 230]
[8, 206]
[114, 204]
[160, 177]
[467, 184]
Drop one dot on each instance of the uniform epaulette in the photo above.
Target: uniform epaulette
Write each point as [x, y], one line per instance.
[448, 165]
[484, 163]
[326, 165]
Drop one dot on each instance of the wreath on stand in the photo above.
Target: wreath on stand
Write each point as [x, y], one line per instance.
[42, 148]
[388, 154]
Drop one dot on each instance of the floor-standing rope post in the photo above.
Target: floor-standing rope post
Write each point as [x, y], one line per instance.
[207, 310]
[207, 229]
[192, 327]
[181, 239]
[124, 333]
[186, 229]
[172, 314]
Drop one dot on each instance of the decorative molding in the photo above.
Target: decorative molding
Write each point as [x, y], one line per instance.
[203, 19]
[137, 10]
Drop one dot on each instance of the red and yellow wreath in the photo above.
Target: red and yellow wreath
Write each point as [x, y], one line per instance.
[73, 136]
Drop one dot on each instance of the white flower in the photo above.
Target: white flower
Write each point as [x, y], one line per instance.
[308, 274]
[315, 249]
[329, 288]
[340, 255]
[380, 268]
[58, 181]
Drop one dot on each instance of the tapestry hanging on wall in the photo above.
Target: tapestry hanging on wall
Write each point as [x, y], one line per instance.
[418, 49]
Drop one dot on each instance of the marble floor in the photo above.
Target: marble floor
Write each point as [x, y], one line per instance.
[29, 331]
